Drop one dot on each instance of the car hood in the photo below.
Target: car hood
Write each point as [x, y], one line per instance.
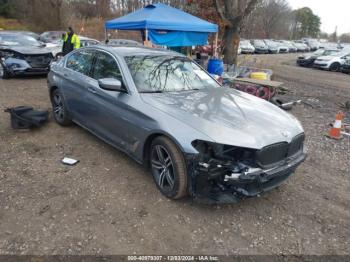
[28, 50]
[328, 57]
[308, 56]
[228, 116]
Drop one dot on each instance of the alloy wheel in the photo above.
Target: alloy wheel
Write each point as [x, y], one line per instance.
[58, 107]
[1, 71]
[162, 168]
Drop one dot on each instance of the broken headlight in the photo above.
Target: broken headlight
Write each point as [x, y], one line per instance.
[6, 54]
[209, 150]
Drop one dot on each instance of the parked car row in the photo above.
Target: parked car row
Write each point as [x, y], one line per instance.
[270, 46]
[327, 59]
[27, 53]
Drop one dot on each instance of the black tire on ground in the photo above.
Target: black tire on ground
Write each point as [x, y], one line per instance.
[59, 109]
[3, 72]
[334, 67]
[168, 168]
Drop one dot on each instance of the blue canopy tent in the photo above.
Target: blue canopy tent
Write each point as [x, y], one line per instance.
[165, 25]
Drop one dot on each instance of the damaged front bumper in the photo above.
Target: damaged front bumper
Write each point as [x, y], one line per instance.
[16, 67]
[222, 184]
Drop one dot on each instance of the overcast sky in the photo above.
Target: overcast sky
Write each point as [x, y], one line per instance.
[333, 13]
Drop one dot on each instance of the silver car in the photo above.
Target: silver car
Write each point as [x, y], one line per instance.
[197, 137]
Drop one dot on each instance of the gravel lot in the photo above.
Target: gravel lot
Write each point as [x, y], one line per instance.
[108, 204]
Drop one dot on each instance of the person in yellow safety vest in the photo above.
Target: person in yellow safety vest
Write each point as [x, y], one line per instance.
[70, 41]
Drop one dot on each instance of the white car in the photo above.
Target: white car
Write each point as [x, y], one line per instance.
[282, 48]
[246, 47]
[332, 62]
[56, 48]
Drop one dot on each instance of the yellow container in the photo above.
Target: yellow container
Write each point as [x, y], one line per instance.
[258, 75]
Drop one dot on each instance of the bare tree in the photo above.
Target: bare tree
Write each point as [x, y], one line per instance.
[273, 14]
[56, 7]
[233, 13]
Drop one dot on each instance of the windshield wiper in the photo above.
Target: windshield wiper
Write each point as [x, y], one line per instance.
[151, 91]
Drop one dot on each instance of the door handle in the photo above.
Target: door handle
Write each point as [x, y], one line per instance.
[91, 90]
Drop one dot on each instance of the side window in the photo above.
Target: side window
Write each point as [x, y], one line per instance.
[80, 61]
[106, 67]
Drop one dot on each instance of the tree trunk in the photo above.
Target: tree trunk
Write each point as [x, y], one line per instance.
[231, 44]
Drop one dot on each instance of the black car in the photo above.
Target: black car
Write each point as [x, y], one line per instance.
[346, 67]
[22, 55]
[309, 59]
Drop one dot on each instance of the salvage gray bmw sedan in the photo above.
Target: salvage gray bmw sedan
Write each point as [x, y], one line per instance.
[198, 138]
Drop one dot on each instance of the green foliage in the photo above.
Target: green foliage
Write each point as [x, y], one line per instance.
[307, 24]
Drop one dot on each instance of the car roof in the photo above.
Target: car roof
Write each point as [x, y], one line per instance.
[50, 32]
[85, 38]
[136, 50]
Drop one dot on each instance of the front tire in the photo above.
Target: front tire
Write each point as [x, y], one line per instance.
[59, 108]
[3, 72]
[334, 67]
[168, 168]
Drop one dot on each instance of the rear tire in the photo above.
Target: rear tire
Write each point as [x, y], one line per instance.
[334, 67]
[168, 168]
[59, 108]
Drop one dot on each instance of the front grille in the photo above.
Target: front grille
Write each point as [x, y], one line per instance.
[38, 61]
[272, 154]
[275, 153]
[296, 145]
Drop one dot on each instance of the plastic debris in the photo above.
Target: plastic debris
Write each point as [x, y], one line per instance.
[69, 161]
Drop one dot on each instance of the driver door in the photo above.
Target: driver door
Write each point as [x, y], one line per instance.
[108, 109]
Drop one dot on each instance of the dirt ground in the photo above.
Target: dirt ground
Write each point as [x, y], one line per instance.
[108, 204]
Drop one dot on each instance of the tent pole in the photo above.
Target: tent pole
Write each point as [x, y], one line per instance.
[216, 45]
[106, 36]
[146, 37]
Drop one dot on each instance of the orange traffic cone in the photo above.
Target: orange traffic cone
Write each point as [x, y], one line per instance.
[335, 131]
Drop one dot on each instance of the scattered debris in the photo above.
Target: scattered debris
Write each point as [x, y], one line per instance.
[345, 134]
[25, 117]
[345, 105]
[284, 105]
[69, 161]
[44, 209]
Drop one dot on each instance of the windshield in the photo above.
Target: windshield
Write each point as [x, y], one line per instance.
[245, 42]
[259, 42]
[14, 39]
[52, 35]
[270, 43]
[167, 74]
[330, 52]
[325, 52]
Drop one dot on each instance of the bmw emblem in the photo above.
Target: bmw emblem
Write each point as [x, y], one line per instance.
[285, 134]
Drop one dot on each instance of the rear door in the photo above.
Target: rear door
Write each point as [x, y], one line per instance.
[76, 75]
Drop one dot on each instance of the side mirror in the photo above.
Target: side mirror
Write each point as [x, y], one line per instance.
[111, 84]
